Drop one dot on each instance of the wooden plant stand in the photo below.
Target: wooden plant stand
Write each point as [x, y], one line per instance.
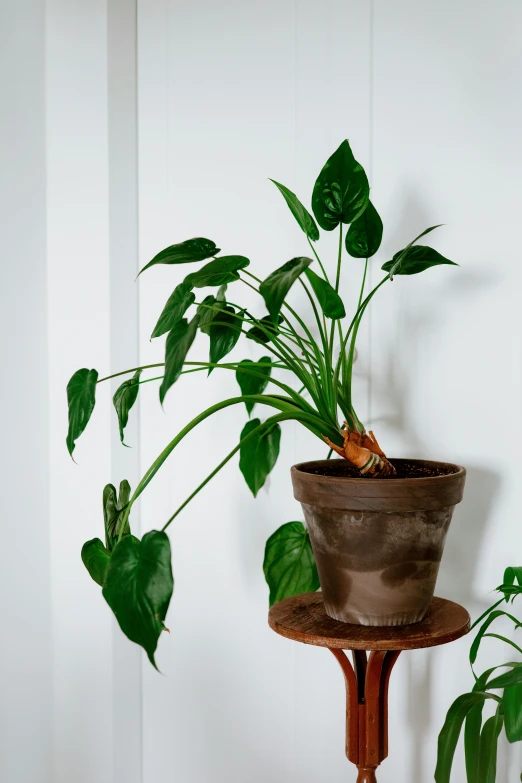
[304, 619]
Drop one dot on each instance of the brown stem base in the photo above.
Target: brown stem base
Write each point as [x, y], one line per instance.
[363, 452]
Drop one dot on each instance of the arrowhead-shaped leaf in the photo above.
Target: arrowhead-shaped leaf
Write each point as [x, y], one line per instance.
[197, 249]
[264, 330]
[364, 236]
[328, 298]
[259, 454]
[341, 191]
[289, 564]
[113, 507]
[124, 398]
[179, 340]
[301, 214]
[138, 587]
[253, 384]
[224, 332]
[219, 272]
[415, 259]
[276, 286]
[177, 305]
[96, 559]
[81, 391]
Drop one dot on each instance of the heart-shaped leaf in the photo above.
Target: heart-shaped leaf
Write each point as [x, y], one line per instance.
[253, 384]
[224, 332]
[341, 191]
[277, 285]
[219, 272]
[96, 559]
[289, 564]
[415, 259]
[113, 507]
[301, 214]
[513, 712]
[81, 399]
[259, 454]
[138, 587]
[197, 249]
[177, 305]
[179, 340]
[328, 298]
[364, 236]
[124, 398]
[264, 330]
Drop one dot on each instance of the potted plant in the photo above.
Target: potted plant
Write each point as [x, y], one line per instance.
[481, 740]
[376, 525]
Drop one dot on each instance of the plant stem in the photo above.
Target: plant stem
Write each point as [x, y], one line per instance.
[317, 259]
[133, 369]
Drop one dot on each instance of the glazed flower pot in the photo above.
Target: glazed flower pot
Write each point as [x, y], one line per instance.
[378, 542]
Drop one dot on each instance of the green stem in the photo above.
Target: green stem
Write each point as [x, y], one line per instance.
[133, 369]
[317, 259]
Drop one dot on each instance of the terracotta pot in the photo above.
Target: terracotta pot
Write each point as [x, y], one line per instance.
[377, 542]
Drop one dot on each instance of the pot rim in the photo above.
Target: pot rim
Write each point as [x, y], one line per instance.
[299, 467]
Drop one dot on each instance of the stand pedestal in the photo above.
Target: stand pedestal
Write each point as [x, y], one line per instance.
[304, 619]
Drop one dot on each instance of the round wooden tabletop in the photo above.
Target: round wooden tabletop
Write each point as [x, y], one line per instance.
[304, 619]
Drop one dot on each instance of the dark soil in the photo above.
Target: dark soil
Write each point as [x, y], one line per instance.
[405, 469]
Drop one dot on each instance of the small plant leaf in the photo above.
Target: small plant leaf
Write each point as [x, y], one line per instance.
[450, 732]
[253, 384]
[329, 300]
[264, 329]
[289, 564]
[113, 507]
[81, 391]
[207, 311]
[301, 214]
[219, 272]
[224, 332]
[178, 344]
[124, 398]
[198, 249]
[364, 236]
[473, 652]
[277, 285]
[513, 712]
[341, 191]
[488, 748]
[415, 259]
[138, 587]
[96, 559]
[177, 305]
[259, 454]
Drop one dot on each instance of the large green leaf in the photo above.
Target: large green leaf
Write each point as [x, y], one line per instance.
[364, 236]
[124, 398]
[198, 249]
[328, 298]
[224, 332]
[253, 384]
[450, 732]
[219, 272]
[513, 677]
[488, 748]
[179, 340]
[264, 329]
[513, 712]
[289, 564]
[96, 559]
[113, 507]
[276, 286]
[177, 305]
[81, 391]
[259, 454]
[207, 311]
[301, 214]
[138, 587]
[472, 728]
[415, 259]
[341, 191]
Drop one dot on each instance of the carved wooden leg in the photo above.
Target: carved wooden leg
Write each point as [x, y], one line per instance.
[366, 708]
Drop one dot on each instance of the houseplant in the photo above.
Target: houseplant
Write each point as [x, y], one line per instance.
[481, 740]
[310, 371]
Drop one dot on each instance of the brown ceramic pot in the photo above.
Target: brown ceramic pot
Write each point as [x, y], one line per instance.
[377, 542]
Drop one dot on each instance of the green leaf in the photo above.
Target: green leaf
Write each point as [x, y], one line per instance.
[472, 728]
[488, 748]
[253, 384]
[264, 329]
[113, 507]
[513, 712]
[328, 298]
[450, 732]
[511, 574]
[96, 559]
[513, 677]
[341, 191]
[138, 587]
[177, 305]
[221, 294]
[484, 627]
[259, 454]
[81, 391]
[179, 340]
[276, 286]
[224, 332]
[415, 259]
[301, 214]
[219, 272]
[364, 236]
[124, 398]
[207, 311]
[289, 564]
[197, 249]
